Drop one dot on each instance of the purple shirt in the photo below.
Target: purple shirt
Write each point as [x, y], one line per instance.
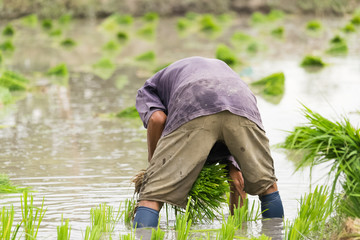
[194, 87]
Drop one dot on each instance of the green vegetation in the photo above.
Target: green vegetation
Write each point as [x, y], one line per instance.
[5, 184]
[60, 70]
[338, 48]
[272, 85]
[64, 230]
[349, 28]
[13, 81]
[113, 22]
[104, 68]
[130, 205]
[208, 24]
[272, 16]
[227, 55]
[355, 19]
[129, 112]
[258, 17]
[105, 218]
[151, 17]
[314, 25]
[7, 47]
[157, 234]
[312, 61]
[47, 24]
[278, 32]
[5, 98]
[146, 57]
[148, 31]
[65, 19]
[111, 47]
[31, 216]
[68, 43]
[183, 24]
[8, 31]
[55, 33]
[30, 20]
[122, 37]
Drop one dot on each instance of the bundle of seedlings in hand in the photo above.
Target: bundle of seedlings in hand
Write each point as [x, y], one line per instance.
[323, 141]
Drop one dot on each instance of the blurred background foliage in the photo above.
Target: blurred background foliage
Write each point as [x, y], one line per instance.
[99, 8]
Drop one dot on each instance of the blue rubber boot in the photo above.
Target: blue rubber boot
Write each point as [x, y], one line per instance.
[272, 204]
[146, 218]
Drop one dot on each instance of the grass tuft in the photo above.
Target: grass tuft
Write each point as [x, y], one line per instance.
[312, 61]
[314, 25]
[47, 24]
[146, 57]
[227, 55]
[64, 230]
[8, 31]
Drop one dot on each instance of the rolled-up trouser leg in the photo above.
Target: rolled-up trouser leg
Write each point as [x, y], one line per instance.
[146, 217]
[271, 205]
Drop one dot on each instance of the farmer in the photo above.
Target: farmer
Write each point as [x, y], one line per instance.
[198, 109]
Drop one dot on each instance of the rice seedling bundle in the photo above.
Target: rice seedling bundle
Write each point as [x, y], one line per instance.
[272, 85]
[323, 141]
[65, 19]
[146, 57]
[60, 70]
[147, 31]
[6, 186]
[111, 46]
[278, 32]
[7, 46]
[208, 23]
[13, 81]
[349, 28]
[312, 61]
[129, 112]
[68, 43]
[225, 54]
[30, 20]
[183, 24]
[355, 19]
[5, 98]
[55, 33]
[151, 17]
[314, 25]
[122, 37]
[8, 31]
[104, 68]
[47, 24]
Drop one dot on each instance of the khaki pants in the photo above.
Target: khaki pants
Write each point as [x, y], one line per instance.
[180, 156]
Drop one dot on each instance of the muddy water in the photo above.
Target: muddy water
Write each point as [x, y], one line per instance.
[57, 142]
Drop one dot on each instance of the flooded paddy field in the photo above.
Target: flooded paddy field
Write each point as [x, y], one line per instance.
[58, 140]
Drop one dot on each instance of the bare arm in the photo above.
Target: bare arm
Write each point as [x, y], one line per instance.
[155, 127]
[236, 188]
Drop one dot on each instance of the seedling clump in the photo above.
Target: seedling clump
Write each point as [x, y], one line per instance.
[278, 32]
[13, 81]
[104, 68]
[129, 112]
[47, 24]
[5, 98]
[314, 25]
[6, 185]
[151, 17]
[146, 57]
[30, 20]
[208, 23]
[8, 31]
[312, 61]
[68, 43]
[7, 46]
[349, 28]
[272, 85]
[147, 31]
[111, 46]
[122, 37]
[225, 54]
[65, 19]
[60, 70]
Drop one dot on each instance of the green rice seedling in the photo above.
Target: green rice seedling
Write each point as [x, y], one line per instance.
[104, 68]
[183, 23]
[240, 37]
[243, 214]
[8, 31]
[275, 14]
[253, 47]
[355, 19]
[111, 46]
[122, 37]
[191, 16]
[208, 193]
[65, 19]
[350, 202]
[183, 224]
[314, 25]
[314, 211]
[224, 18]
[47, 24]
[129, 112]
[13, 81]
[93, 233]
[312, 61]
[147, 32]
[157, 234]
[6, 186]
[338, 49]
[7, 47]
[278, 32]
[151, 17]
[349, 28]
[228, 228]
[6, 224]
[1, 59]
[323, 141]
[129, 236]
[261, 237]
[258, 18]
[272, 85]
[68, 43]
[227, 55]
[146, 57]
[55, 33]
[64, 230]
[125, 19]
[337, 39]
[5, 98]
[128, 213]
[30, 20]
[59, 74]
[31, 216]
[208, 24]
[121, 81]
[105, 218]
